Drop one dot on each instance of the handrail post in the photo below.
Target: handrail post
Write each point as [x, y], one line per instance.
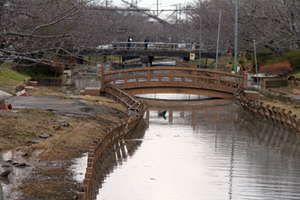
[195, 75]
[149, 71]
[103, 86]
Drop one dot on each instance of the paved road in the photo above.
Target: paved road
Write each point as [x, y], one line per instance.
[60, 106]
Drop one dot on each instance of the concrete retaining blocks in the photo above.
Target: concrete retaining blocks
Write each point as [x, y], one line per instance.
[4, 106]
[92, 91]
[22, 93]
[33, 83]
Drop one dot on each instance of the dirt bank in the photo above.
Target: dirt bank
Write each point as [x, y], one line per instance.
[71, 134]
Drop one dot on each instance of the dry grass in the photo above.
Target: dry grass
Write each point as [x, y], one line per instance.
[52, 178]
[22, 126]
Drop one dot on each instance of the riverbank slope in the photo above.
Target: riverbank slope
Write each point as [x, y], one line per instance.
[71, 124]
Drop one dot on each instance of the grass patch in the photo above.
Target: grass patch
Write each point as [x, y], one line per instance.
[10, 77]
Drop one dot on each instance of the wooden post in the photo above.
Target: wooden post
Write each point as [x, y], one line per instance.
[149, 74]
[125, 77]
[219, 81]
[195, 75]
[103, 86]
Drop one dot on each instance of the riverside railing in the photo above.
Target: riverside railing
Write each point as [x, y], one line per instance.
[276, 116]
[107, 138]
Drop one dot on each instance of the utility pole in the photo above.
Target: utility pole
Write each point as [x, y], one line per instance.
[191, 41]
[217, 54]
[176, 12]
[157, 4]
[107, 2]
[180, 12]
[200, 44]
[257, 80]
[235, 37]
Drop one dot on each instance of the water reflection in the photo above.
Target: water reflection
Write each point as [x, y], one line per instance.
[173, 96]
[115, 156]
[212, 151]
[17, 174]
[277, 139]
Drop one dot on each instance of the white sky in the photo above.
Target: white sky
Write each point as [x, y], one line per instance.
[162, 4]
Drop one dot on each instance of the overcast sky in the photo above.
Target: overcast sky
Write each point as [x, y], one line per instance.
[152, 4]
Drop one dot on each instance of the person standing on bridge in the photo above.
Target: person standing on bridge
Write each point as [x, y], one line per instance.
[146, 42]
[129, 40]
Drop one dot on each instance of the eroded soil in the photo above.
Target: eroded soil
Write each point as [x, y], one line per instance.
[71, 136]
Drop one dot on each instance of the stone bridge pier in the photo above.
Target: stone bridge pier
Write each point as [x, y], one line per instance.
[146, 59]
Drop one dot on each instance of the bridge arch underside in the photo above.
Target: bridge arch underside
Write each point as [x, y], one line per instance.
[219, 93]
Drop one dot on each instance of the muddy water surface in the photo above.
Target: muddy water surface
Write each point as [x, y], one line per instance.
[210, 151]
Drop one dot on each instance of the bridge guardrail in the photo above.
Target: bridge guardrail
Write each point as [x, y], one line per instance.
[158, 77]
[160, 46]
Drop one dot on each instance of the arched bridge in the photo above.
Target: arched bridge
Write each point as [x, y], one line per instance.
[180, 80]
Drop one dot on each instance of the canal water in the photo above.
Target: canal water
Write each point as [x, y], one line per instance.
[210, 149]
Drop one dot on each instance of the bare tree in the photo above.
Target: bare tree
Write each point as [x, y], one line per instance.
[274, 24]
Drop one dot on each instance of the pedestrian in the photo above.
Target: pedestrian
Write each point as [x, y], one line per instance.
[129, 39]
[146, 42]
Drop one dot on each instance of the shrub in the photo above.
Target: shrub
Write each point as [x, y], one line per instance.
[293, 57]
[279, 68]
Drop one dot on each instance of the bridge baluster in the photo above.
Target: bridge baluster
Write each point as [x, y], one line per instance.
[172, 75]
[187, 78]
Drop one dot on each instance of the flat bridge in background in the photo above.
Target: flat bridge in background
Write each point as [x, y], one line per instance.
[147, 54]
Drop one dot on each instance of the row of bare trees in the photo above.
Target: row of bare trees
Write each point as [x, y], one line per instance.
[274, 24]
[45, 29]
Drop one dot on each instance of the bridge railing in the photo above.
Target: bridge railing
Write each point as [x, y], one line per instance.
[159, 46]
[172, 77]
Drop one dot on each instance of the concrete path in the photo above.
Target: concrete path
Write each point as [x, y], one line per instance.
[4, 94]
[78, 107]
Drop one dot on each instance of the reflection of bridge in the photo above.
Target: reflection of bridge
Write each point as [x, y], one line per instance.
[137, 49]
[180, 80]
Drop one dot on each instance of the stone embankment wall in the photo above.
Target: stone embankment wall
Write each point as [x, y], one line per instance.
[279, 117]
[107, 138]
